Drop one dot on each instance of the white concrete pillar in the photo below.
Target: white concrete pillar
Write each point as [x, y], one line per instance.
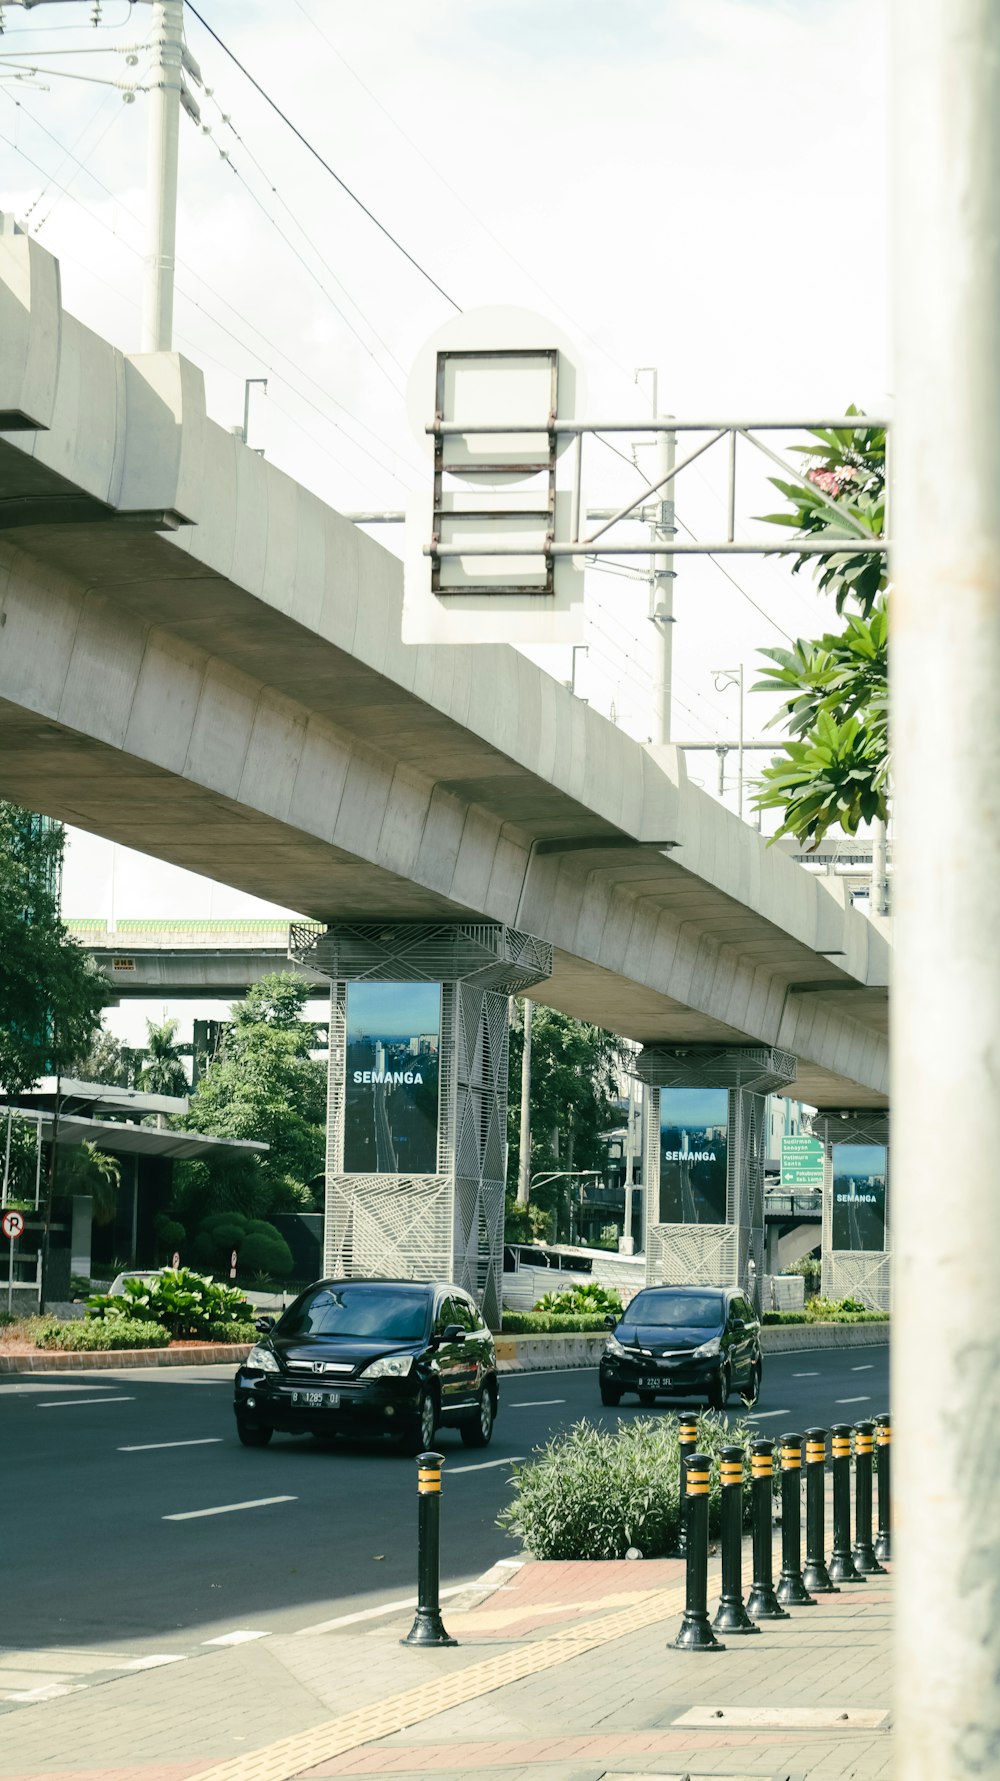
[946, 997]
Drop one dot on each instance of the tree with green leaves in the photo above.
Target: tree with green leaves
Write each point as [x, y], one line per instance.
[107, 1060]
[162, 1071]
[51, 994]
[834, 690]
[265, 1084]
[575, 1070]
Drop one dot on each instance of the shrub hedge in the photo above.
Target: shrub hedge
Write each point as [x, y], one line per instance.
[90, 1336]
[595, 1492]
[549, 1323]
[186, 1304]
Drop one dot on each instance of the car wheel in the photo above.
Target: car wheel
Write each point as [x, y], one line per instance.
[419, 1437]
[610, 1395]
[647, 1398]
[252, 1434]
[477, 1431]
[752, 1390]
[720, 1389]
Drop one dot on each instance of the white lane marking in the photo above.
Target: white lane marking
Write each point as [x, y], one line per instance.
[241, 1636]
[852, 1400]
[330, 1626]
[155, 1446]
[71, 1403]
[153, 1663]
[805, 1375]
[868, 1369]
[227, 1508]
[47, 1691]
[485, 1465]
[534, 1403]
[759, 1415]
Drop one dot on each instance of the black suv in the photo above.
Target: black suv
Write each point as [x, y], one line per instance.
[364, 1357]
[686, 1341]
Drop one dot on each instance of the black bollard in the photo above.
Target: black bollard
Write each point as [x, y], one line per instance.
[731, 1616]
[815, 1575]
[688, 1437]
[863, 1552]
[883, 1443]
[762, 1603]
[696, 1632]
[428, 1627]
[791, 1591]
[842, 1566]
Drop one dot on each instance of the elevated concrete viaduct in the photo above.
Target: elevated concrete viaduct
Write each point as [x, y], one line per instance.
[201, 660]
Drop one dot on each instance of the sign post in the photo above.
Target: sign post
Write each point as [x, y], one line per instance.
[12, 1225]
[175, 1259]
[232, 1266]
[801, 1161]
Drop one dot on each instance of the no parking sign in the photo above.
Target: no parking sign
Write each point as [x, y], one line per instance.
[13, 1224]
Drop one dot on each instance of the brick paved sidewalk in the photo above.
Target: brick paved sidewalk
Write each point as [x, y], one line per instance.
[563, 1673]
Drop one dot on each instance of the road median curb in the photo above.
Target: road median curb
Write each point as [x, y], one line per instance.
[198, 1354]
[531, 1354]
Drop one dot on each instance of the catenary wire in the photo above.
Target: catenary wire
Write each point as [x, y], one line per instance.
[287, 121]
[214, 320]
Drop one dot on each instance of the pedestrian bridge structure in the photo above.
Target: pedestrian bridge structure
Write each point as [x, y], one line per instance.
[201, 660]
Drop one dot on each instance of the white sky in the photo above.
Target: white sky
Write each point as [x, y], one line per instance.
[694, 184]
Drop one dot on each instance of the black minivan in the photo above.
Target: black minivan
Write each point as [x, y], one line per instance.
[684, 1341]
[367, 1357]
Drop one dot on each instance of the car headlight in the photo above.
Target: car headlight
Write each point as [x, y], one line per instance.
[613, 1346]
[262, 1358]
[391, 1366]
[707, 1349]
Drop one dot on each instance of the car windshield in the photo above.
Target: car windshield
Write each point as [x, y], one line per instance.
[677, 1310]
[392, 1313]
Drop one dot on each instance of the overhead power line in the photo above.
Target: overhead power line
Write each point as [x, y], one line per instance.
[287, 121]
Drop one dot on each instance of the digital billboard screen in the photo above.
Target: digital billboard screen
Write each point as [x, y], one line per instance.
[393, 1073]
[858, 1196]
[694, 1147]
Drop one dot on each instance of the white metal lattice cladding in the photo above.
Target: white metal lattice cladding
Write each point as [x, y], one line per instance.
[713, 1254]
[863, 1274]
[448, 1225]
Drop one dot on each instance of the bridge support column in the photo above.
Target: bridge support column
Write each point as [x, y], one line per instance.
[706, 1140]
[857, 1251]
[417, 1108]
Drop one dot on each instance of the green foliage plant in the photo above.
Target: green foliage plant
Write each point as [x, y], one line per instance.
[590, 1296]
[834, 691]
[51, 993]
[592, 1493]
[182, 1302]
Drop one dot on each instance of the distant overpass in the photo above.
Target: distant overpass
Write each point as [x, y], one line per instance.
[189, 958]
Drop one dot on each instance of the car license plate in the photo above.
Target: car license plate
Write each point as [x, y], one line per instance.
[317, 1400]
[651, 1384]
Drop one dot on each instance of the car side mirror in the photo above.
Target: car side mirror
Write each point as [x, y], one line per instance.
[610, 1323]
[453, 1332]
[263, 1324]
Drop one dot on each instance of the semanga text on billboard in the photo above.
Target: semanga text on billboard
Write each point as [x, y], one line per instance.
[859, 1196]
[694, 1148]
[393, 1075]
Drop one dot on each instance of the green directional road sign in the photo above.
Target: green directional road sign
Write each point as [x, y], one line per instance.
[801, 1162]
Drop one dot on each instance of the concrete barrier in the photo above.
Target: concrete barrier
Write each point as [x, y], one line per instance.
[532, 1354]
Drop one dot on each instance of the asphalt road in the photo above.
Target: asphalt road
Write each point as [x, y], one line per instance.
[107, 1478]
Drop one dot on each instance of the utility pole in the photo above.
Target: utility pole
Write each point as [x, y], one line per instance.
[879, 892]
[945, 1016]
[161, 175]
[662, 529]
[524, 1150]
[628, 1242]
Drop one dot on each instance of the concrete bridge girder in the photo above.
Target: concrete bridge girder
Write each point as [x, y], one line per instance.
[234, 696]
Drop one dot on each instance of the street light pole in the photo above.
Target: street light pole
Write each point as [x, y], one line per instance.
[524, 1149]
[161, 175]
[945, 1017]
